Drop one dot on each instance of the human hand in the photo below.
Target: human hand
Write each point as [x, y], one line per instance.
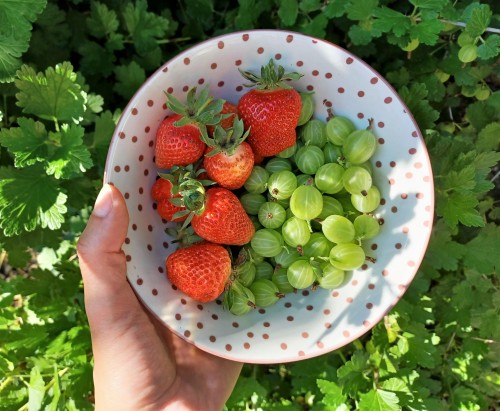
[139, 364]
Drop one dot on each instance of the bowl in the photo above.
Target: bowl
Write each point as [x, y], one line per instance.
[308, 323]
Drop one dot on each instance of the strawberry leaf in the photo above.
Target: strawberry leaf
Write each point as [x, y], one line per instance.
[29, 199]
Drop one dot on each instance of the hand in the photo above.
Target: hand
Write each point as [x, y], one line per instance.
[139, 364]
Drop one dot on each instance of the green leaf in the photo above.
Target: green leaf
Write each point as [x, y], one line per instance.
[56, 403]
[379, 400]
[102, 21]
[462, 180]
[333, 396]
[288, 12]
[36, 390]
[459, 207]
[422, 110]
[490, 48]
[481, 252]
[247, 14]
[416, 347]
[129, 78]
[50, 38]
[29, 199]
[443, 251]
[27, 143]
[478, 19]
[310, 5]
[16, 18]
[96, 59]
[351, 375]
[335, 8]
[146, 28]
[104, 128]
[480, 114]
[435, 5]
[53, 95]
[71, 157]
[360, 35]
[361, 9]
[401, 387]
[306, 373]
[427, 32]
[316, 27]
[389, 20]
[244, 389]
[488, 137]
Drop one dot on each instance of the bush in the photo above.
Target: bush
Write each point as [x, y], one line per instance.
[438, 349]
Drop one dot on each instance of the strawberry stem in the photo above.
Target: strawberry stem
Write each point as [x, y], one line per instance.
[200, 110]
[271, 77]
[226, 141]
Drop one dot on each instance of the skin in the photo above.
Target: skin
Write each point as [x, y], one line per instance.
[139, 363]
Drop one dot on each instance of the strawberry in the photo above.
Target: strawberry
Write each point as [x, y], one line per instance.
[178, 137]
[200, 270]
[165, 191]
[227, 108]
[258, 159]
[223, 220]
[228, 159]
[161, 192]
[216, 215]
[177, 145]
[271, 111]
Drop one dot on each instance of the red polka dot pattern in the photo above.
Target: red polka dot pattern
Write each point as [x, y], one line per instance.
[304, 324]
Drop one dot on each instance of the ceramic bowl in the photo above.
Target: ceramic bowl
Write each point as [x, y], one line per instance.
[308, 323]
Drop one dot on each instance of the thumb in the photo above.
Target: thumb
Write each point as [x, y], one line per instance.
[102, 261]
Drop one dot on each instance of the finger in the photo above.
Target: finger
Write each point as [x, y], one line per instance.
[102, 261]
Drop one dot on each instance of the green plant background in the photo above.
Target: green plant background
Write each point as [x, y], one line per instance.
[67, 68]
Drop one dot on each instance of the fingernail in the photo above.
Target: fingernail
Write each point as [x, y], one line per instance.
[104, 202]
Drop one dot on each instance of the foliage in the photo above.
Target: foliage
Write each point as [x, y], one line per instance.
[438, 349]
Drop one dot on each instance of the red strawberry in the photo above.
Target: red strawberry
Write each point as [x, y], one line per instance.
[258, 159]
[178, 137]
[161, 192]
[271, 111]
[228, 159]
[227, 108]
[217, 214]
[200, 270]
[177, 145]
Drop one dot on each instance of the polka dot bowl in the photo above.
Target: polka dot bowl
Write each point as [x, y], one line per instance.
[308, 323]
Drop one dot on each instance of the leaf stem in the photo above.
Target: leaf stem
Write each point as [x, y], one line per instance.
[175, 40]
[6, 382]
[342, 356]
[462, 24]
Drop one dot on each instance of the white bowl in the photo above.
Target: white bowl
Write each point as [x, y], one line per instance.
[309, 323]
